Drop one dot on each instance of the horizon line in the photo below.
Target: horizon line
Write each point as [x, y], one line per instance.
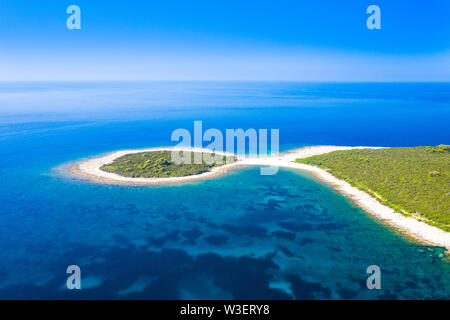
[219, 80]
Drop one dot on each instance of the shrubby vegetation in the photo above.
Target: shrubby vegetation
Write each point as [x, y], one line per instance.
[159, 164]
[413, 181]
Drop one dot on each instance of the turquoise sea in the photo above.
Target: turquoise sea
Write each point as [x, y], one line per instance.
[241, 235]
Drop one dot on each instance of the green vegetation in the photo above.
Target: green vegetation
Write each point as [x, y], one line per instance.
[159, 164]
[413, 181]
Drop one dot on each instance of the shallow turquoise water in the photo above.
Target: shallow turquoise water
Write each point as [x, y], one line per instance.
[241, 235]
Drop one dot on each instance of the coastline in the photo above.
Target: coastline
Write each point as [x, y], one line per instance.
[412, 227]
[89, 169]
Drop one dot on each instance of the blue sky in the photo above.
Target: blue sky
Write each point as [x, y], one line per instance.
[314, 40]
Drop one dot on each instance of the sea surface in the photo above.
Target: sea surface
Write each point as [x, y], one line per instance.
[242, 235]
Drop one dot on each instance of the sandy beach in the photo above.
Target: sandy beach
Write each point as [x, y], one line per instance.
[413, 227]
[90, 169]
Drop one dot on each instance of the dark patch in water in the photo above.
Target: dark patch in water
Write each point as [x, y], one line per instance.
[283, 235]
[162, 240]
[293, 226]
[306, 241]
[216, 240]
[286, 251]
[248, 230]
[305, 290]
[192, 235]
[346, 293]
[119, 268]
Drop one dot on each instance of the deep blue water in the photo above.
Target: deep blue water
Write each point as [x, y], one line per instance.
[241, 235]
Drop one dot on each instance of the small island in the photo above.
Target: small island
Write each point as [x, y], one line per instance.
[154, 166]
[159, 164]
